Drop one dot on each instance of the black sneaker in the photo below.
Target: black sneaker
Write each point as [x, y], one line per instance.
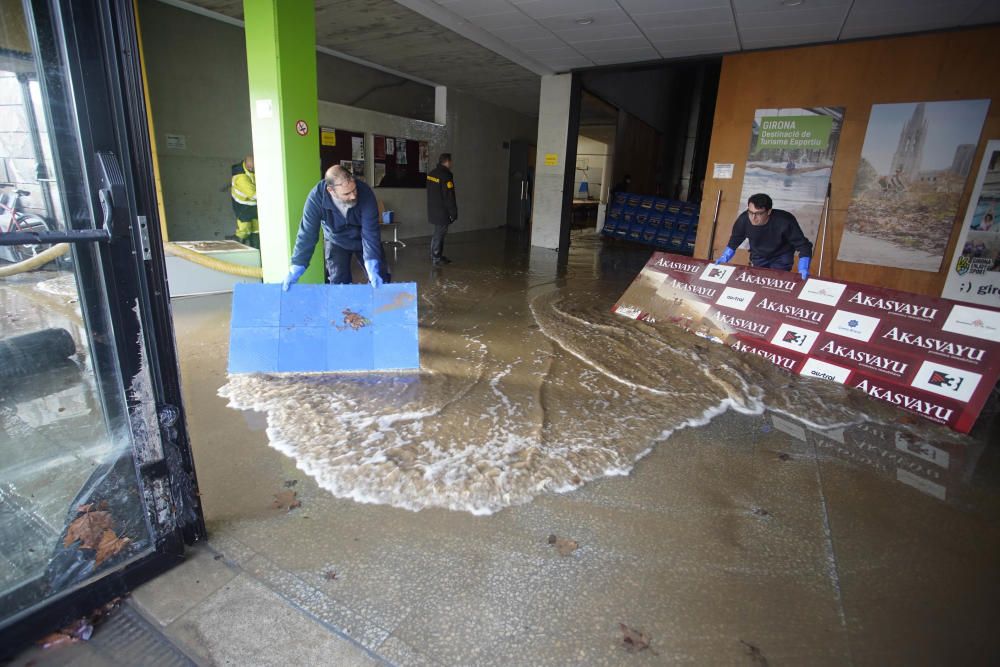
[444, 260]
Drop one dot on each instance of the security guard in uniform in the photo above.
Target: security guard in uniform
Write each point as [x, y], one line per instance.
[442, 209]
[244, 192]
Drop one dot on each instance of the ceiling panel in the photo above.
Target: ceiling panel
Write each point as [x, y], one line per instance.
[541, 9]
[727, 30]
[656, 6]
[496, 49]
[693, 17]
[754, 20]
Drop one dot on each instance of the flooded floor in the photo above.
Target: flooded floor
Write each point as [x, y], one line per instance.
[731, 513]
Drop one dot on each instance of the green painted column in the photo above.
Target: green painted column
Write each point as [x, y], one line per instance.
[281, 64]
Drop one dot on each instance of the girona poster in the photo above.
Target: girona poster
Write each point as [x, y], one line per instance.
[791, 158]
[974, 270]
[914, 165]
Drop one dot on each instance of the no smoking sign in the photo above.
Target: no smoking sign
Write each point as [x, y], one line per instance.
[302, 128]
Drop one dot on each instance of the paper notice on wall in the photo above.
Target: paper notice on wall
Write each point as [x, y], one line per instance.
[400, 151]
[327, 136]
[358, 148]
[422, 167]
[551, 160]
[348, 165]
[379, 173]
[177, 142]
[722, 171]
[390, 146]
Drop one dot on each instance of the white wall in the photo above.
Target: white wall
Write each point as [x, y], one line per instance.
[553, 128]
[474, 135]
[593, 155]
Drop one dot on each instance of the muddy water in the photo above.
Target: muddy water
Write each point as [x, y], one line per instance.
[527, 385]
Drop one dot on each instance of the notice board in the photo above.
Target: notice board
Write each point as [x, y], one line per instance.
[343, 147]
[937, 358]
[400, 162]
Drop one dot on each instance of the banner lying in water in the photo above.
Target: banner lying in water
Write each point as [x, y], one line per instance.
[934, 357]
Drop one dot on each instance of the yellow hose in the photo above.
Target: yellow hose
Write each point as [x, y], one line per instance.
[212, 263]
[149, 123]
[32, 263]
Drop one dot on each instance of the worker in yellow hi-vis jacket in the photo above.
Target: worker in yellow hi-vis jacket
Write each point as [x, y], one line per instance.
[244, 193]
[442, 208]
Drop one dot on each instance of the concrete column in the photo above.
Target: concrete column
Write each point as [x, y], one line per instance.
[281, 64]
[441, 105]
[553, 147]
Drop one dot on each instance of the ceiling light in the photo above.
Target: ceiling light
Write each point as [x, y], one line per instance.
[586, 20]
[792, 3]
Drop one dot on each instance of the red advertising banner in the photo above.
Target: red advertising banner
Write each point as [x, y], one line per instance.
[934, 357]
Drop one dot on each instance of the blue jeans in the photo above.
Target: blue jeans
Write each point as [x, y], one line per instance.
[781, 262]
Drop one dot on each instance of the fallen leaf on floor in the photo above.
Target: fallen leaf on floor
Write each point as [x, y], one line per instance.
[330, 575]
[564, 546]
[109, 546]
[755, 654]
[635, 641]
[784, 457]
[82, 629]
[88, 529]
[289, 483]
[760, 511]
[286, 500]
[576, 480]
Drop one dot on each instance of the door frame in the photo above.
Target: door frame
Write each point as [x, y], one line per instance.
[89, 54]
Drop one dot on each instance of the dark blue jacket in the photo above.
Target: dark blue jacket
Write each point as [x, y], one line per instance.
[358, 232]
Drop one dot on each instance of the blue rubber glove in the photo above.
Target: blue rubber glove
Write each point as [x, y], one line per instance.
[804, 267]
[726, 255]
[371, 266]
[293, 276]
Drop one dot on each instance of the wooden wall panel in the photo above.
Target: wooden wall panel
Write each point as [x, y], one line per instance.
[962, 64]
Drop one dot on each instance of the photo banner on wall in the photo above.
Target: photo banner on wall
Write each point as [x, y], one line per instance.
[791, 159]
[974, 270]
[915, 162]
[936, 358]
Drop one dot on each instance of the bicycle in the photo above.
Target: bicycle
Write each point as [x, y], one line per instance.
[12, 219]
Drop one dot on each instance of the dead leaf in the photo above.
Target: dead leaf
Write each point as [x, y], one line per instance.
[755, 654]
[286, 500]
[564, 546]
[88, 528]
[330, 575]
[109, 546]
[634, 640]
[289, 483]
[784, 456]
[56, 639]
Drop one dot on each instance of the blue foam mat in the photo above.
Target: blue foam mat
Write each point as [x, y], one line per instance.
[323, 328]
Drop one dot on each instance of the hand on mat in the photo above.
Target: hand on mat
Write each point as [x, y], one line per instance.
[804, 267]
[726, 255]
[293, 276]
[371, 266]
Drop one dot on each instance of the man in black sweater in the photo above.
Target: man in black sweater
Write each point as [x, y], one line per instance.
[774, 237]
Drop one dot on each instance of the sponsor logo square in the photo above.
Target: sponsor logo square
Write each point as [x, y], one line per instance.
[976, 322]
[739, 299]
[822, 291]
[853, 325]
[792, 337]
[718, 273]
[824, 371]
[946, 381]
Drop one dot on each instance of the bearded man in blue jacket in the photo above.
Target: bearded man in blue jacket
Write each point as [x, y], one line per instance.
[347, 210]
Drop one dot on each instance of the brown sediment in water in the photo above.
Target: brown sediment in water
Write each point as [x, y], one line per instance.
[531, 399]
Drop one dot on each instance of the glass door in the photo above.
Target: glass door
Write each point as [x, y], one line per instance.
[97, 487]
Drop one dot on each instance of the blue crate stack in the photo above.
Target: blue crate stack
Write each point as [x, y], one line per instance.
[664, 224]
